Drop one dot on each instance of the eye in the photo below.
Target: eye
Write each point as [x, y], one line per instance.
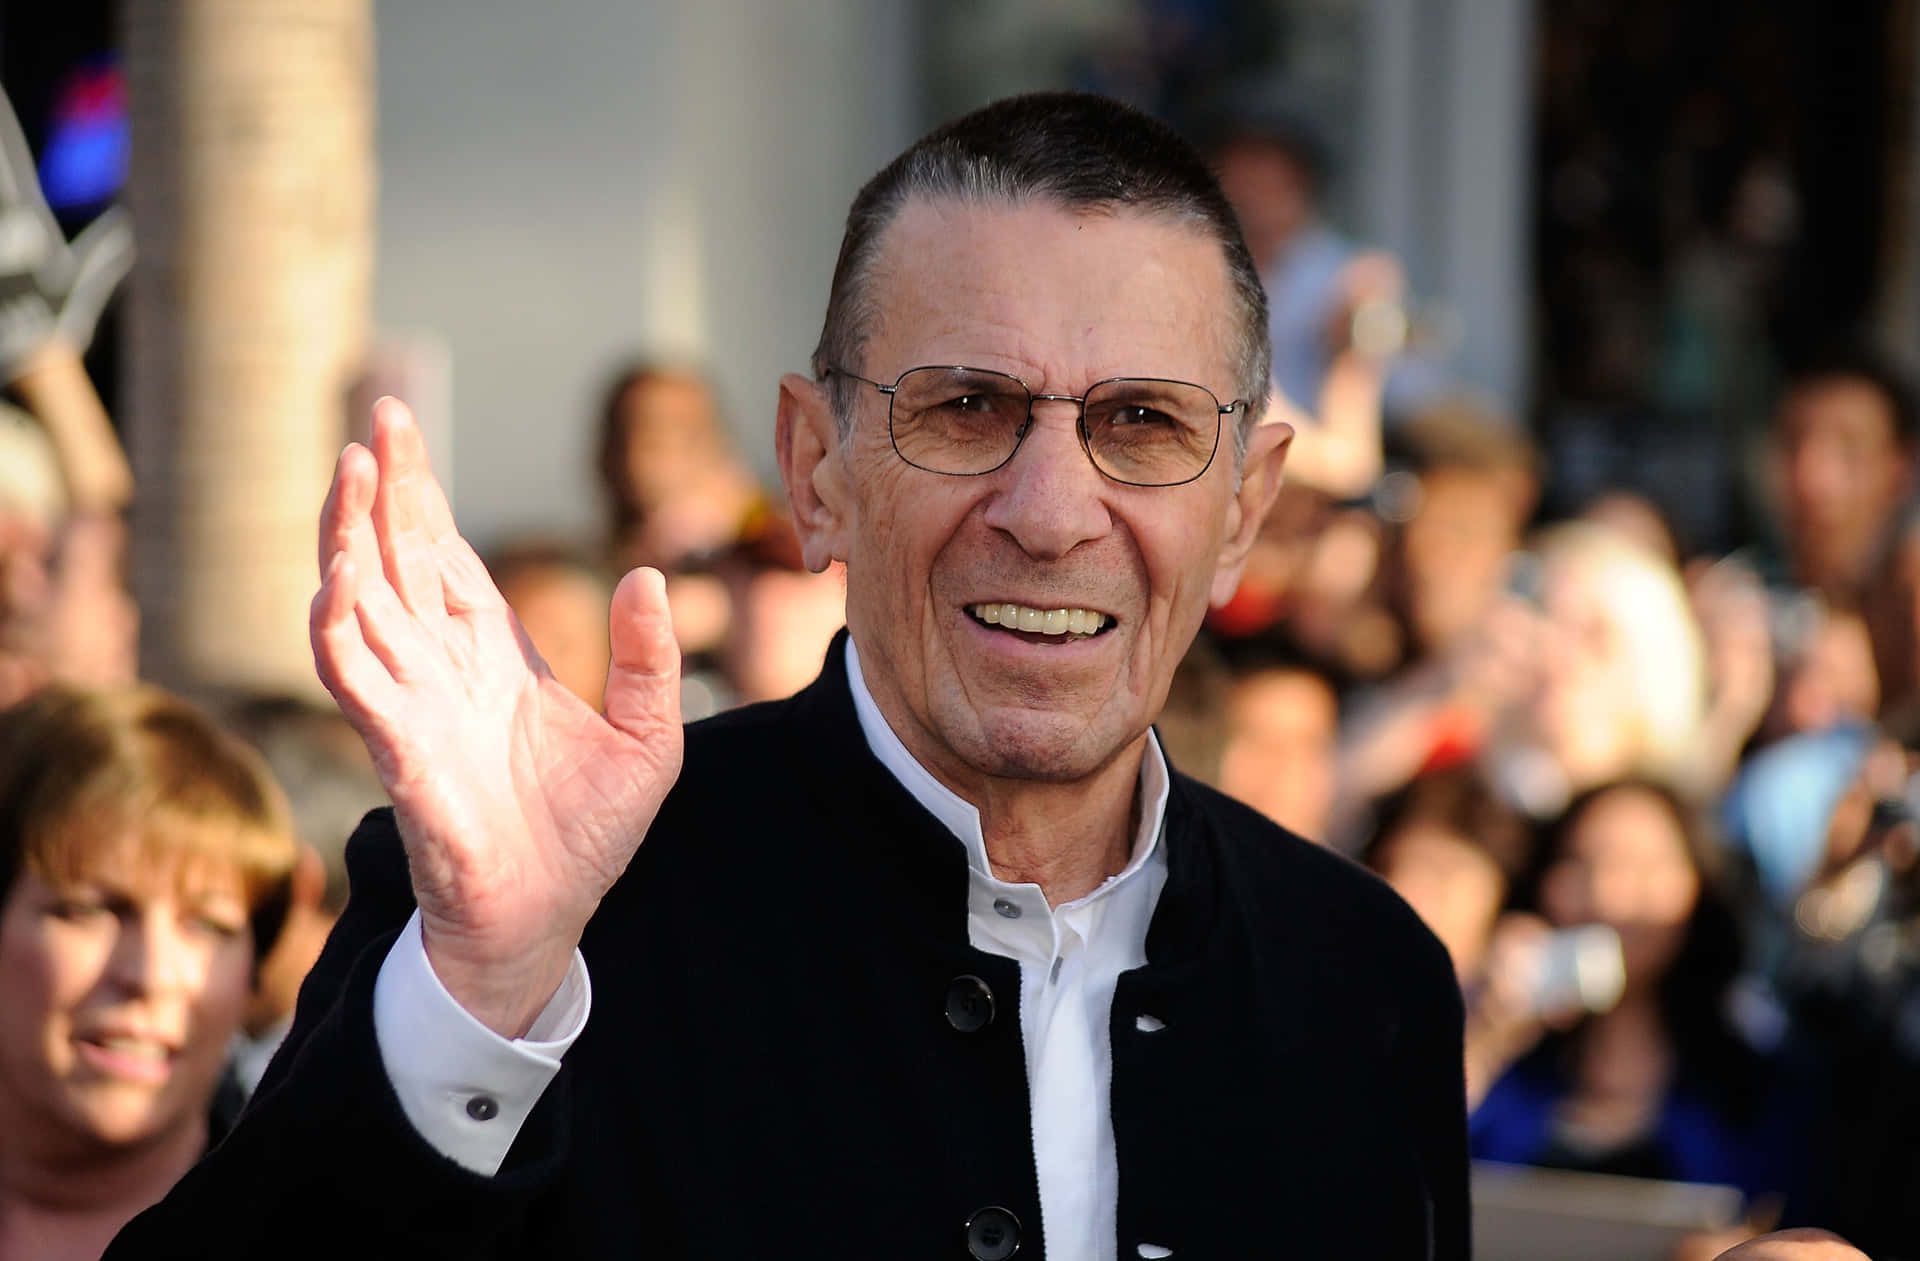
[221, 926]
[1139, 414]
[79, 909]
[972, 404]
[217, 918]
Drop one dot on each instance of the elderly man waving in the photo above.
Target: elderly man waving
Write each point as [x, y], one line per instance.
[939, 958]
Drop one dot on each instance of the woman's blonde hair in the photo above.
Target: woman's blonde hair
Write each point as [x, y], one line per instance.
[86, 774]
[1646, 603]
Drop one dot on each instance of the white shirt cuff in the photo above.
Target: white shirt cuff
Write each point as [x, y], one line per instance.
[466, 1089]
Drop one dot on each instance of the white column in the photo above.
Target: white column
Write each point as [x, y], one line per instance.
[1445, 163]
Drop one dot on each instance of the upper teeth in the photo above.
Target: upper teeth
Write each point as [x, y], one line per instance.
[1041, 621]
[135, 1046]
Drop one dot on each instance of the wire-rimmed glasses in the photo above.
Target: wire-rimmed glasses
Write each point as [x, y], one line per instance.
[1143, 431]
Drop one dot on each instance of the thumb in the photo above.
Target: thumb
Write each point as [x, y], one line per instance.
[643, 681]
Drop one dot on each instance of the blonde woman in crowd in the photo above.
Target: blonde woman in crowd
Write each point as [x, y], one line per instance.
[1593, 667]
[143, 857]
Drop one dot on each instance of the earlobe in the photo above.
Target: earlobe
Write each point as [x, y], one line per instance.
[1266, 456]
[808, 442]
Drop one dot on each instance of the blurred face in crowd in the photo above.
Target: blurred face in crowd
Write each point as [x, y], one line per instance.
[1622, 681]
[1279, 759]
[1625, 863]
[1833, 680]
[121, 989]
[1842, 471]
[564, 613]
[1060, 300]
[673, 433]
[1453, 884]
[1455, 551]
[681, 471]
[782, 623]
[1272, 195]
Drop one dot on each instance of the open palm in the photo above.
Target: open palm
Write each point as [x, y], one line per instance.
[518, 804]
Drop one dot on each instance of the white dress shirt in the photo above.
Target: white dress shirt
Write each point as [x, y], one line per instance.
[468, 1090]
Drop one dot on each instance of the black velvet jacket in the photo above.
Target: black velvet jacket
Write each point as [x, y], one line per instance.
[781, 1064]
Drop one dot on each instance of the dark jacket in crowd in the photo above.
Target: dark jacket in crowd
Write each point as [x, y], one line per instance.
[790, 1054]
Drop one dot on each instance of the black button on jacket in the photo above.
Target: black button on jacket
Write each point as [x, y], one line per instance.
[788, 1057]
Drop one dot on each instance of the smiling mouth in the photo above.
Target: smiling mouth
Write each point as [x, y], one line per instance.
[129, 1057]
[1041, 626]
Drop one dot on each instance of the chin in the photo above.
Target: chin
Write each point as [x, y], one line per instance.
[122, 1121]
[1028, 744]
[120, 1127]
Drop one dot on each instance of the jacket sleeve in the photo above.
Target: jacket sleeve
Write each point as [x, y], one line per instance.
[324, 1160]
[1432, 1069]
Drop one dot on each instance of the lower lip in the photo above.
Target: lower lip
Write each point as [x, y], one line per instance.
[134, 1068]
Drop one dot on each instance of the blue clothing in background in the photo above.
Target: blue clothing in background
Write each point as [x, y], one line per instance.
[1691, 1141]
[1777, 809]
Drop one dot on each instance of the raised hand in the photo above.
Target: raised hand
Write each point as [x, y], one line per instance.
[518, 804]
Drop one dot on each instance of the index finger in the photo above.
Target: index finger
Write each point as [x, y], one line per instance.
[411, 517]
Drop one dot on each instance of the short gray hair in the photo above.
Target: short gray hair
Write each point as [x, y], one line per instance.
[1070, 149]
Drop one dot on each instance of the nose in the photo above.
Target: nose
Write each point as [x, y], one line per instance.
[155, 954]
[1050, 498]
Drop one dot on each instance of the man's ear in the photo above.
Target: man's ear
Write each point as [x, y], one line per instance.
[1266, 456]
[813, 469]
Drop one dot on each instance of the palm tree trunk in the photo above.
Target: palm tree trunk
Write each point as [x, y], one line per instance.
[252, 190]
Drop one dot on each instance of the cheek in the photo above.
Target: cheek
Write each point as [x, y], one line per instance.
[1179, 571]
[45, 976]
[222, 999]
[1671, 896]
[47, 969]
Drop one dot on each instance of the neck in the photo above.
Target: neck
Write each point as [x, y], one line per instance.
[1066, 838]
[68, 1199]
[1626, 1051]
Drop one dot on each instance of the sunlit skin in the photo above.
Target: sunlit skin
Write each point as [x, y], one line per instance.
[120, 991]
[120, 997]
[1045, 738]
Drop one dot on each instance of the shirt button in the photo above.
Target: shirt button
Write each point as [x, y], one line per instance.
[1148, 1024]
[1007, 907]
[969, 1005]
[483, 1107]
[993, 1234]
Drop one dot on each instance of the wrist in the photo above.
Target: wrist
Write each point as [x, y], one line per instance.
[506, 994]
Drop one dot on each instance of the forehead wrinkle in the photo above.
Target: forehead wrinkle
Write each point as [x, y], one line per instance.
[1042, 336]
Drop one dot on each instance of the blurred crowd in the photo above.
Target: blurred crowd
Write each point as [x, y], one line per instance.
[1660, 807]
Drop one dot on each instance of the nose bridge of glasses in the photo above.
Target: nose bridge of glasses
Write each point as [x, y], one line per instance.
[1077, 408]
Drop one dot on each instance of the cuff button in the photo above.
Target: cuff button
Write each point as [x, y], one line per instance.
[483, 1107]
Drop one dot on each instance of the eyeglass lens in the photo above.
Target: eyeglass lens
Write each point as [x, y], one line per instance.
[965, 421]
